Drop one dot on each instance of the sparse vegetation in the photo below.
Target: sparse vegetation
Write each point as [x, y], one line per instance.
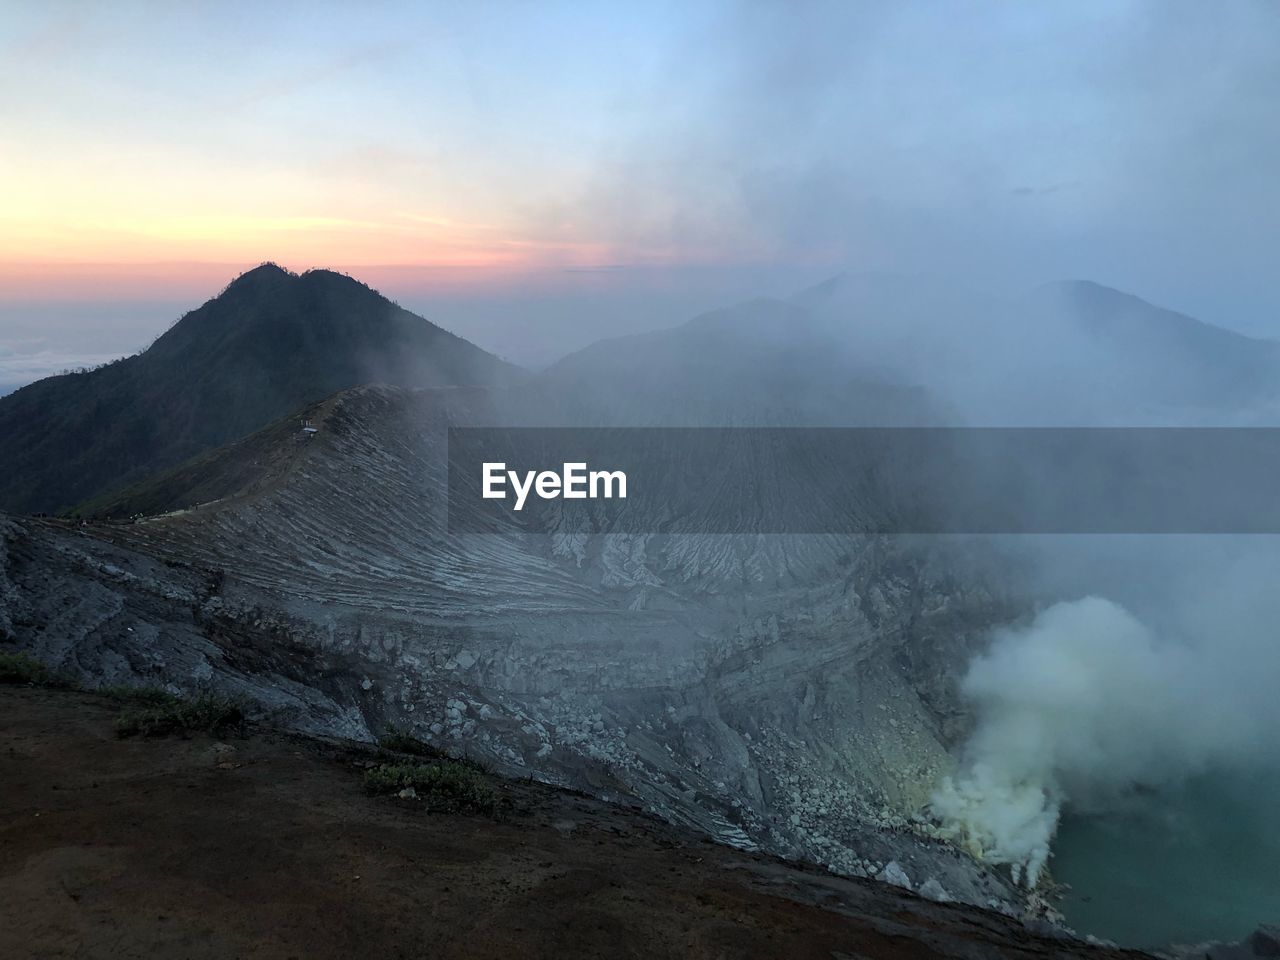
[155, 713]
[21, 668]
[448, 783]
[396, 740]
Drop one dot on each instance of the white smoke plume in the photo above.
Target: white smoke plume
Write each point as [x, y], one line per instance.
[1081, 706]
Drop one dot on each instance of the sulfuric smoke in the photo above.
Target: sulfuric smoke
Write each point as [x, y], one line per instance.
[1082, 706]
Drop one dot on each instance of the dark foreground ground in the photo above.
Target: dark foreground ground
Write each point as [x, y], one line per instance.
[182, 848]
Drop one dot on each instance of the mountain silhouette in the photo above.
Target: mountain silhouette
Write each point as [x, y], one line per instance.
[269, 344]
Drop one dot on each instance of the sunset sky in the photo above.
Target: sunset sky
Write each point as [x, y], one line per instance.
[596, 167]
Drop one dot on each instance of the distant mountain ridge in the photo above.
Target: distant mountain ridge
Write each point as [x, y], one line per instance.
[856, 349]
[269, 344]
[1185, 357]
[757, 363]
[1072, 353]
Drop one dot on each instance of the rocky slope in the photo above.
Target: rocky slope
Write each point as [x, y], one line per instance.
[789, 693]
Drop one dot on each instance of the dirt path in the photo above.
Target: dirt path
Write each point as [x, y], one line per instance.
[181, 848]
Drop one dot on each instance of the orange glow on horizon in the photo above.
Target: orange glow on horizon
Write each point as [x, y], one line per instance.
[197, 280]
[192, 258]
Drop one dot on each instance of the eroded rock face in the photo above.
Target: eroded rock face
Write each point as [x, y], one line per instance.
[789, 693]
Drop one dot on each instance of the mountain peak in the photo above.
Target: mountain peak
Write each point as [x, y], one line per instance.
[1099, 305]
[325, 279]
[271, 276]
[264, 276]
[324, 273]
[272, 342]
[1090, 293]
[263, 271]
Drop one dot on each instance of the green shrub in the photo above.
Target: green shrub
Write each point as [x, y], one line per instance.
[397, 741]
[446, 783]
[158, 714]
[20, 668]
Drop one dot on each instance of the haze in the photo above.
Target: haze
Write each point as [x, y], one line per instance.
[537, 177]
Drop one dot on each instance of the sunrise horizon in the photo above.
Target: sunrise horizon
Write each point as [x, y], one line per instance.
[538, 179]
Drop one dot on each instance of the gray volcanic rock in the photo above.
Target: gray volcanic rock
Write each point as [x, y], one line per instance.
[787, 693]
